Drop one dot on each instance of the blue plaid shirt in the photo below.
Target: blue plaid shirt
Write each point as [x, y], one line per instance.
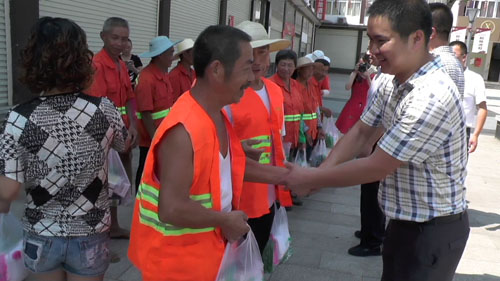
[424, 128]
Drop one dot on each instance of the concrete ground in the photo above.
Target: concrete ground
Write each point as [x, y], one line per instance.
[322, 229]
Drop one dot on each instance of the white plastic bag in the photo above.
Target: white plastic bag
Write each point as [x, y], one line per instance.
[319, 153]
[11, 249]
[118, 181]
[300, 158]
[331, 132]
[278, 248]
[242, 261]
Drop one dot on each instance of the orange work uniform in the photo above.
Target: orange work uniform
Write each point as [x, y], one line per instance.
[293, 108]
[154, 94]
[112, 81]
[252, 120]
[163, 251]
[311, 105]
[181, 79]
[316, 88]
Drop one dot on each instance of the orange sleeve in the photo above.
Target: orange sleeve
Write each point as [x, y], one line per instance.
[144, 92]
[99, 86]
[175, 83]
[325, 84]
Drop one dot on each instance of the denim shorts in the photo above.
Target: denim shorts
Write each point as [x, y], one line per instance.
[84, 256]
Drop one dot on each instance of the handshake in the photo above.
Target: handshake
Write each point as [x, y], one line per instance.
[299, 180]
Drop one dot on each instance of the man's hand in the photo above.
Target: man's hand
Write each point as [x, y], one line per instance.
[235, 225]
[321, 134]
[132, 130]
[296, 179]
[473, 143]
[250, 152]
[326, 111]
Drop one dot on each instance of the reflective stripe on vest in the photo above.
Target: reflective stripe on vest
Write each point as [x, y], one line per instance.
[311, 116]
[265, 141]
[155, 115]
[292, 118]
[150, 218]
[122, 110]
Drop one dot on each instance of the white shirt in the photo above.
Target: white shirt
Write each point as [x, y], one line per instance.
[474, 94]
[226, 183]
[264, 96]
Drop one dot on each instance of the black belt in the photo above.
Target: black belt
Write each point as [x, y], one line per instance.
[434, 221]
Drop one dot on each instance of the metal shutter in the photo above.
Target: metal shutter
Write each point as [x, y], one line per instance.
[188, 18]
[5, 59]
[142, 16]
[240, 9]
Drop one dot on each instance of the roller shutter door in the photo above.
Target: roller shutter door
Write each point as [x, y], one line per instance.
[190, 17]
[5, 65]
[239, 9]
[142, 16]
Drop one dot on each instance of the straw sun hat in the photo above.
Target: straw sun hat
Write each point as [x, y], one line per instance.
[260, 37]
[183, 46]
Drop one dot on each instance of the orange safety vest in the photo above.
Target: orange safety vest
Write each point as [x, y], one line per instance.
[251, 120]
[163, 251]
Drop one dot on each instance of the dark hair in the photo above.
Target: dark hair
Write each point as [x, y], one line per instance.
[442, 19]
[323, 61]
[56, 56]
[405, 16]
[286, 54]
[218, 42]
[461, 45]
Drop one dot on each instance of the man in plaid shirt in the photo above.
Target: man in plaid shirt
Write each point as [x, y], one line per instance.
[421, 156]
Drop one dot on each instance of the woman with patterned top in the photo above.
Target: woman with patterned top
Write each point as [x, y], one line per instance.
[57, 145]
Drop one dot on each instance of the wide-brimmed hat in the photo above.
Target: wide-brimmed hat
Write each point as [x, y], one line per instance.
[183, 46]
[260, 37]
[304, 61]
[157, 46]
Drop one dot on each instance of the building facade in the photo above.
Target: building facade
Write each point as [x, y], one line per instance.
[178, 19]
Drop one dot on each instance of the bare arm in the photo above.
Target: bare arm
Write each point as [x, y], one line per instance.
[348, 84]
[482, 113]
[8, 192]
[175, 170]
[353, 144]
[133, 126]
[256, 172]
[364, 170]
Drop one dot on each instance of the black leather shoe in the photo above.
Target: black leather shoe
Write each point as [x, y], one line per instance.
[362, 251]
[357, 234]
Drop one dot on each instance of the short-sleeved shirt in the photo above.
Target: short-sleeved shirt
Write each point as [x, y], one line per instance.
[425, 129]
[474, 94]
[112, 82]
[181, 80]
[452, 66]
[58, 146]
[325, 83]
[153, 94]
[317, 89]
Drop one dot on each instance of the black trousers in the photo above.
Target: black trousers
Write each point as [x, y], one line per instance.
[261, 228]
[424, 251]
[143, 152]
[372, 217]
